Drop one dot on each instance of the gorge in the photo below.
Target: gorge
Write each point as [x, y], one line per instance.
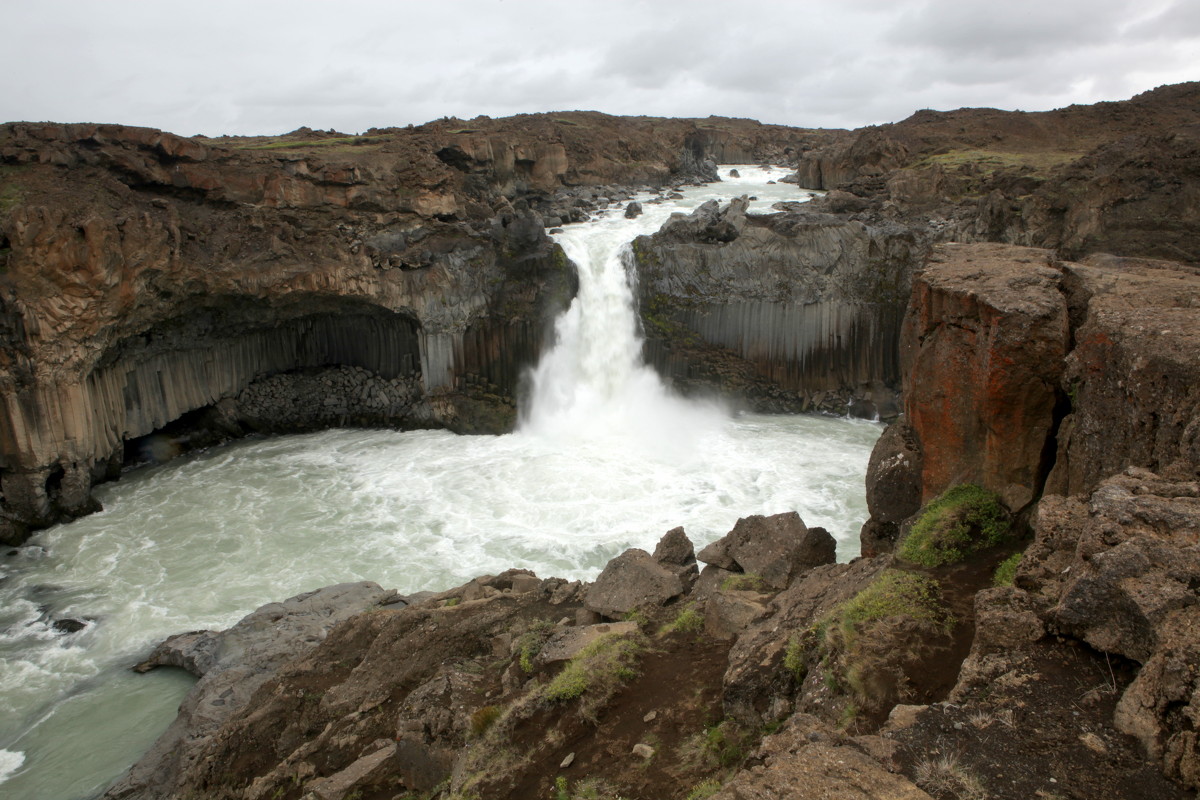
[990, 274]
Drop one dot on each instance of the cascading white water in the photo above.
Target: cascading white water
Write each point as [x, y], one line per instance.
[593, 383]
[605, 459]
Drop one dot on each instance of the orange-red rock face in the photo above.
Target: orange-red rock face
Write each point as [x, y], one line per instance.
[983, 346]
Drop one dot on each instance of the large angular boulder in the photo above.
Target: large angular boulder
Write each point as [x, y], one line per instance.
[776, 548]
[631, 580]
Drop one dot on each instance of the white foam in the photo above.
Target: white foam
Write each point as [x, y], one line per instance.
[10, 762]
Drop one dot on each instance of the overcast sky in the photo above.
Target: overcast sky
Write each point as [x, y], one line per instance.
[264, 67]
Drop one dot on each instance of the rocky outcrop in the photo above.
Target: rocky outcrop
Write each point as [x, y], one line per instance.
[983, 346]
[1111, 177]
[1132, 378]
[1027, 375]
[231, 666]
[792, 311]
[506, 687]
[632, 580]
[774, 549]
[1096, 362]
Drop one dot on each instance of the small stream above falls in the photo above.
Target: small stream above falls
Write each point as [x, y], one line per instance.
[605, 459]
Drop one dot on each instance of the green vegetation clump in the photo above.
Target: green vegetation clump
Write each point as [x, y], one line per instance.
[801, 649]
[704, 790]
[596, 673]
[688, 620]
[483, 719]
[745, 582]
[961, 521]
[867, 647]
[719, 746]
[331, 142]
[1007, 571]
[529, 643]
[894, 594]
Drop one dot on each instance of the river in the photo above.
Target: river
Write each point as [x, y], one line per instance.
[605, 458]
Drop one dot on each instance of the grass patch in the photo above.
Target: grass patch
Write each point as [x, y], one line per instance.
[720, 746]
[688, 620]
[596, 673]
[867, 648]
[991, 161]
[704, 789]
[11, 192]
[961, 521]
[585, 789]
[944, 776]
[745, 582]
[894, 594]
[530, 643]
[1007, 571]
[333, 141]
[483, 719]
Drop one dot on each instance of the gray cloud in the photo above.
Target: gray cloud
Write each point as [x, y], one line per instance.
[273, 65]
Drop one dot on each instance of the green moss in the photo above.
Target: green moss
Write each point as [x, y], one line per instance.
[745, 582]
[596, 672]
[1007, 571]
[894, 593]
[529, 643]
[961, 521]
[688, 620]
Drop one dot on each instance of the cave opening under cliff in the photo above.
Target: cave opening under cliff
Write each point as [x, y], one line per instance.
[239, 365]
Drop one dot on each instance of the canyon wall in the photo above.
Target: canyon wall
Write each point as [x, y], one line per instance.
[190, 290]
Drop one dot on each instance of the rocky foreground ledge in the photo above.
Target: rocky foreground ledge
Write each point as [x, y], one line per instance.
[1025, 625]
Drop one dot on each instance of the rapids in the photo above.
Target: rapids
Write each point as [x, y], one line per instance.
[604, 458]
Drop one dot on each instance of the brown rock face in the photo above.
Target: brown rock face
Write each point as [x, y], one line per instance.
[983, 347]
[1133, 376]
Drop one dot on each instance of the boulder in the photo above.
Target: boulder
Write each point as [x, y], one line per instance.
[894, 475]
[634, 209]
[676, 552]
[728, 613]
[776, 548]
[631, 580]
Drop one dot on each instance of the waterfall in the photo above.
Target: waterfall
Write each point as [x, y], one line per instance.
[593, 383]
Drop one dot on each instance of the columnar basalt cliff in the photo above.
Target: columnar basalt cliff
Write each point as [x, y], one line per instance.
[194, 289]
[791, 311]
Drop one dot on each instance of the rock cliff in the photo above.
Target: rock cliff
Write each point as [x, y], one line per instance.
[189, 290]
[796, 310]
